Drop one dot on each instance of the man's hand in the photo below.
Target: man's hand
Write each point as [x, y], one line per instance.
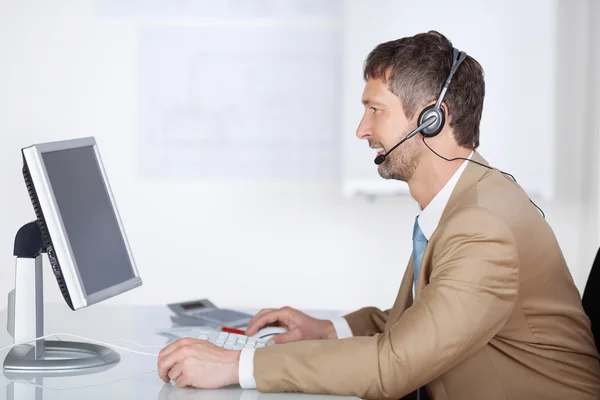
[198, 363]
[299, 325]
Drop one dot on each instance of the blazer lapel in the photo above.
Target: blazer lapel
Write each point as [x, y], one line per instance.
[470, 176]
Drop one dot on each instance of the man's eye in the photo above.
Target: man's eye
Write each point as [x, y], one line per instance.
[374, 110]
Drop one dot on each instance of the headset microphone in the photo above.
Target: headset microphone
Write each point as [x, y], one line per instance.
[429, 121]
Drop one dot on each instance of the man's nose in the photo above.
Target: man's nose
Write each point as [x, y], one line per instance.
[363, 131]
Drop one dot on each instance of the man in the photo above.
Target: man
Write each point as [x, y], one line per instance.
[495, 312]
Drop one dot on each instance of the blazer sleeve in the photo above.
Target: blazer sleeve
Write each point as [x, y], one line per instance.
[471, 293]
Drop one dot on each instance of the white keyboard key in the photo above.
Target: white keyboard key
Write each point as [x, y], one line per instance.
[231, 341]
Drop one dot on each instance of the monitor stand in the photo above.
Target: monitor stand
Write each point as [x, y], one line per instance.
[26, 321]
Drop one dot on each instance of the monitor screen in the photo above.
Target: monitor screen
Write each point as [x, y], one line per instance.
[88, 217]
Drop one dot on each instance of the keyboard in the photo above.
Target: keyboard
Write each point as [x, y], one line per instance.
[231, 341]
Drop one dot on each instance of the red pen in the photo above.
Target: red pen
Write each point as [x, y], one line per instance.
[232, 330]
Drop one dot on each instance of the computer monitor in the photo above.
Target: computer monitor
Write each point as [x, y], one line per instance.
[78, 226]
[82, 231]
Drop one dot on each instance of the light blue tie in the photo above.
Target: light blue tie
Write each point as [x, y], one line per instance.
[419, 244]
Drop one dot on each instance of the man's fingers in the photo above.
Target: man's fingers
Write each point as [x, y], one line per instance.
[165, 363]
[287, 337]
[257, 322]
[166, 352]
[264, 310]
[175, 372]
[183, 381]
[267, 318]
[252, 321]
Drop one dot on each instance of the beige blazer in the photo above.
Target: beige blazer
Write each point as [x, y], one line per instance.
[496, 315]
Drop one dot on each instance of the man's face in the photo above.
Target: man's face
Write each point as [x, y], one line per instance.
[383, 125]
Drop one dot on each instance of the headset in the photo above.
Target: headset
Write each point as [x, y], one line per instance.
[432, 120]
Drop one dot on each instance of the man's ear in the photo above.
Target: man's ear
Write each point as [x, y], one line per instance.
[444, 108]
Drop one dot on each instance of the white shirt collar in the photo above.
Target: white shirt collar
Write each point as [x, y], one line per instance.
[430, 216]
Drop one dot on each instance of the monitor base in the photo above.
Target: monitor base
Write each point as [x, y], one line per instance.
[60, 357]
[31, 353]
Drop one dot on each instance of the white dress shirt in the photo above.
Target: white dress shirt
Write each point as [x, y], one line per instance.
[429, 219]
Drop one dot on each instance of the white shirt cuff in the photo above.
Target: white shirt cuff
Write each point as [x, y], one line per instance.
[342, 329]
[246, 371]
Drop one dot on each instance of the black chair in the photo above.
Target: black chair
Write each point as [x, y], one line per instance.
[591, 299]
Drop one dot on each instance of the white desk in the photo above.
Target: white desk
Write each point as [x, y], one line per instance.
[135, 376]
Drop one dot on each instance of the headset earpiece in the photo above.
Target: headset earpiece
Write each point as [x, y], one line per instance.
[435, 110]
[435, 128]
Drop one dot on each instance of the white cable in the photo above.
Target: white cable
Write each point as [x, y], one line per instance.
[83, 338]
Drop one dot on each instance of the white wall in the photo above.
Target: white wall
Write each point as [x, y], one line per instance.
[65, 74]
[593, 110]
[576, 119]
